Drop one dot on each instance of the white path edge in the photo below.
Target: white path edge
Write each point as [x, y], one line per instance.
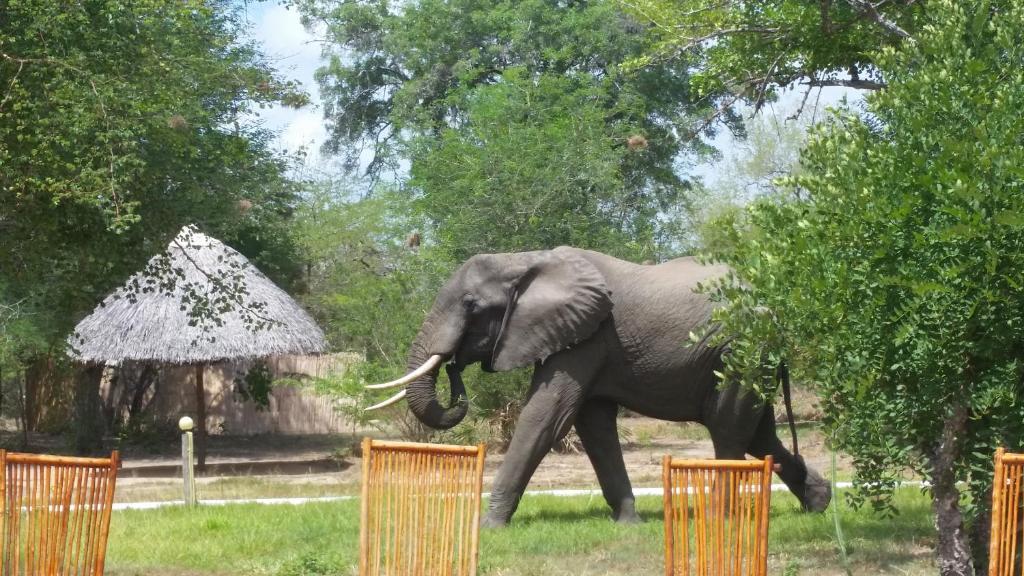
[298, 501]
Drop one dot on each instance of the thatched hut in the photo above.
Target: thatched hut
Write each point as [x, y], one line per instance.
[198, 302]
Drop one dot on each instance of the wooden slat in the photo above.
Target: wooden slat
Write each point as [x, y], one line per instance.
[420, 509]
[56, 513]
[1006, 549]
[1012, 458]
[44, 460]
[717, 464]
[424, 447]
[716, 516]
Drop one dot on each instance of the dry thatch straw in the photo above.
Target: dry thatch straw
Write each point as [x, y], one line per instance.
[198, 302]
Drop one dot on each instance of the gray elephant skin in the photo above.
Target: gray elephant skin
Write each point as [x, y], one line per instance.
[601, 333]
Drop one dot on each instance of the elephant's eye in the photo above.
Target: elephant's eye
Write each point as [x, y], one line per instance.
[470, 303]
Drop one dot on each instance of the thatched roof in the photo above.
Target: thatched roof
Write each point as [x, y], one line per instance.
[200, 301]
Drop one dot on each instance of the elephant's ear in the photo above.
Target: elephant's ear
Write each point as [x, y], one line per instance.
[559, 301]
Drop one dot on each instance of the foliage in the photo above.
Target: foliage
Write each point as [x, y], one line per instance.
[367, 286]
[534, 165]
[255, 384]
[748, 51]
[119, 124]
[517, 123]
[893, 278]
[352, 399]
[369, 289]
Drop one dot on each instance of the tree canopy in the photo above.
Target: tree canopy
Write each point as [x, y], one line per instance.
[118, 124]
[515, 119]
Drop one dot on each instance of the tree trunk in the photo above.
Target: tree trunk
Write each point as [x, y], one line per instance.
[88, 419]
[22, 411]
[953, 548]
[981, 531]
[33, 375]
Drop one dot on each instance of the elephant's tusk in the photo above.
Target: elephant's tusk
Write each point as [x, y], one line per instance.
[388, 402]
[429, 365]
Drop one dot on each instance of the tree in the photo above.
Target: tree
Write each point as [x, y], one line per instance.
[746, 51]
[520, 129]
[367, 285]
[118, 125]
[892, 279]
[531, 167]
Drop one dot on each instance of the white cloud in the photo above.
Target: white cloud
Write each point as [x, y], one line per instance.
[295, 53]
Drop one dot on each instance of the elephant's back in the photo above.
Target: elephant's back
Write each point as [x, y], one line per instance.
[672, 287]
[655, 307]
[688, 271]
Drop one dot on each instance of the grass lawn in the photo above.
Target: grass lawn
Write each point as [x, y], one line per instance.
[549, 536]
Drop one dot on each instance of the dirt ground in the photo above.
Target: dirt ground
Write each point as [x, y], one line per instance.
[279, 466]
[328, 465]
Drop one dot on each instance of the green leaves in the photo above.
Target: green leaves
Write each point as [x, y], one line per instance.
[748, 52]
[519, 127]
[531, 167]
[894, 275]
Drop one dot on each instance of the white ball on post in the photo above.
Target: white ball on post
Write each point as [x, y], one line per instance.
[187, 462]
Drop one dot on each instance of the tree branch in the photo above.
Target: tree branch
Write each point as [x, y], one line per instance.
[762, 90]
[713, 117]
[10, 88]
[859, 84]
[871, 11]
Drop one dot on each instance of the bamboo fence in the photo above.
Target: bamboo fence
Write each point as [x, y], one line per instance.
[420, 509]
[1005, 546]
[56, 513]
[716, 516]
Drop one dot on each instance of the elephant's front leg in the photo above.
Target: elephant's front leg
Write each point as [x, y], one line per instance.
[597, 429]
[555, 397]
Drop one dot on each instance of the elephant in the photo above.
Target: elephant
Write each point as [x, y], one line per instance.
[601, 333]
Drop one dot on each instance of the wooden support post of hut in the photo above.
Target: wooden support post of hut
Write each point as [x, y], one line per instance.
[164, 314]
[200, 417]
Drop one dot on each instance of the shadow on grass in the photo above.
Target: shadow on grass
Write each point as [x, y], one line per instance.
[547, 515]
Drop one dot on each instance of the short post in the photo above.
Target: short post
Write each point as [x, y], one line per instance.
[188, 474]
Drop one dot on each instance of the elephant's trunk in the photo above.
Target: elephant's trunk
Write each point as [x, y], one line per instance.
[422, 392]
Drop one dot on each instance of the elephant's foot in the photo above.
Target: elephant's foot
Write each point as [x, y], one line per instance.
[499, 513]
[630, 518]
[625, 512]
[817, 493]
[491, 521]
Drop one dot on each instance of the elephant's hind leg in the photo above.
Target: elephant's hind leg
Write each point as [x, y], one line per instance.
[596, 427]
[812, 490]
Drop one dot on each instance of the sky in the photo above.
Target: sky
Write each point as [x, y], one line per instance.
[296, 54]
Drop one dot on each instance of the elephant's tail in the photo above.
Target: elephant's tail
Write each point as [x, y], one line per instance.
[788, 400]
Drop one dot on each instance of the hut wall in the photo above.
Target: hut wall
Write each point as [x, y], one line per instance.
[292, 409]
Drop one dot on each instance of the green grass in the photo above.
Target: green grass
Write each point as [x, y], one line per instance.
[549, 535]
